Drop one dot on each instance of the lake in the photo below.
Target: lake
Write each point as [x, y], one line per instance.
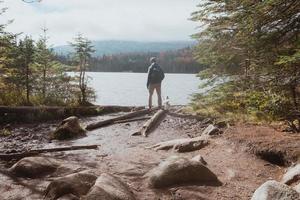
[129, 89]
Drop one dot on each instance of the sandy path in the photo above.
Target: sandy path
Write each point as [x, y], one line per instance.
[125, 156]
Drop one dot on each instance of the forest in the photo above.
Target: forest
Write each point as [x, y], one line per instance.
[176, 61]
[255, 46]
[31, 74]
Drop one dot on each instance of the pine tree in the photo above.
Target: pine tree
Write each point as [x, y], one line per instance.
[256, 44]
[26, 58]
[83, 53]
[44, 63]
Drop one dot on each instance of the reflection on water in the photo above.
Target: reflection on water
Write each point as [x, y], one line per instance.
[129, 89]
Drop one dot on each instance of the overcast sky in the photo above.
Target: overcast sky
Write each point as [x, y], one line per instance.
[139, 20]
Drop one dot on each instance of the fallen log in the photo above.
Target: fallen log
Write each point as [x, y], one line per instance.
[131, 120]
[123, 117]
[11, 156]
[150, 124]
[181, 145]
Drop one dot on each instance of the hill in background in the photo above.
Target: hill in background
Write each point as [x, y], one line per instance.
[111, 47]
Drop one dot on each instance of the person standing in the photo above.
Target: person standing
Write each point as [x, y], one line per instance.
[155, 78]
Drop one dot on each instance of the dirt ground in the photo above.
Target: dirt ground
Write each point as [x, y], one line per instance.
[240, 157]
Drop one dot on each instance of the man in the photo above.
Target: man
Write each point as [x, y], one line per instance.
[155, 77]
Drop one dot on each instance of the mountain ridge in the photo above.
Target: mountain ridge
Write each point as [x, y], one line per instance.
[111, 47]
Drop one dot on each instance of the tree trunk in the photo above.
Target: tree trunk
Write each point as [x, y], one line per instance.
[27, 83]
[44, 83]
[131, 120]
[123, 117]
[38, 151]
[151, 123]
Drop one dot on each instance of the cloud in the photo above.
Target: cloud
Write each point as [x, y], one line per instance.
[141, 20]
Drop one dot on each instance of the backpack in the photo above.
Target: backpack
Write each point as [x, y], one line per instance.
[157, 74]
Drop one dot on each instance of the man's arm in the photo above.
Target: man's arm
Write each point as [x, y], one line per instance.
[149, 73]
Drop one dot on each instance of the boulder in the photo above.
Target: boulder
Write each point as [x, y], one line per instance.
[211, 130]
[68, 129]
[273, 190]
[76, 184]
[181, 171]
[292, 175]
[108, 187]
[33, 167]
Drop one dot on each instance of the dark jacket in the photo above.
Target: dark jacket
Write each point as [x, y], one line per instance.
[151, 80]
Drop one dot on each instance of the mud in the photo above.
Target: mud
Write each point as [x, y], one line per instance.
[230, 156]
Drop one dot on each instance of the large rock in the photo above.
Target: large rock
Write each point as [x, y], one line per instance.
[292, 175]
[76, 184]
[273, 190]
[32, 167]
[179, 170]
[68, 129]
[108, 187]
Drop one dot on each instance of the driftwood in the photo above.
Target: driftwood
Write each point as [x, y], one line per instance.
[123, 117]
[150, 124]
[34, 152]
[181, 145]
[131, 120]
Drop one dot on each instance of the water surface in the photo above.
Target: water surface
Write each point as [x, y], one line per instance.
[129, 89]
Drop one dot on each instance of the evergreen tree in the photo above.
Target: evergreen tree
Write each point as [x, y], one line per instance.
[256, 44]
[26, 58]
[44, 63]
[83, 52]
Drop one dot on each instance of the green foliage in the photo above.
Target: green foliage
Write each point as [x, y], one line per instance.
[256, 44]
[83, 53]
[179, 61]
[4, 133]
[30, 75]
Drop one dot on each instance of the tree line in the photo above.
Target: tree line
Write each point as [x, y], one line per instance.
[177, 61]
[31, 74]
[256, 46]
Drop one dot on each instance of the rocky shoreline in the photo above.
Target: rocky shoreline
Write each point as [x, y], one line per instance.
[186, 157]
